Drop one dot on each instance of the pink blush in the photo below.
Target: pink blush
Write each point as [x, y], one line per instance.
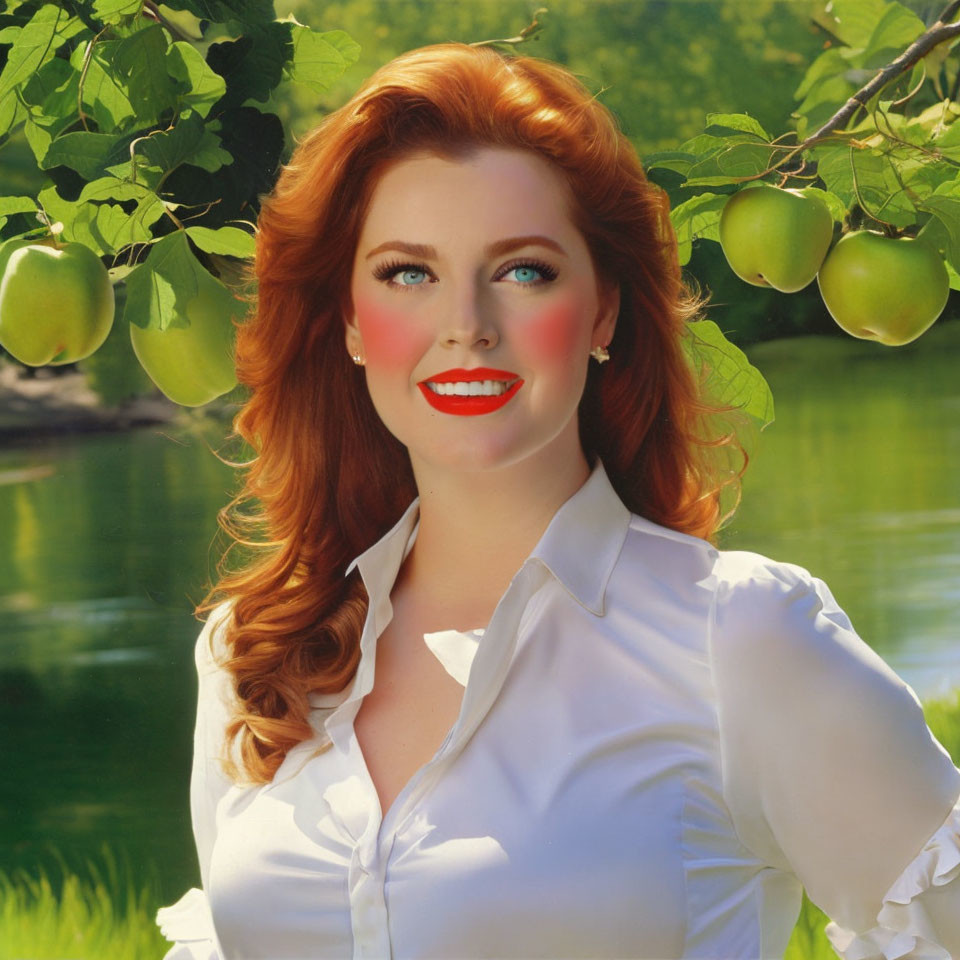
[387, 338]
[554, 333]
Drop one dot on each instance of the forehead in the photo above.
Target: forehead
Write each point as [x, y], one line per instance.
[490, 183]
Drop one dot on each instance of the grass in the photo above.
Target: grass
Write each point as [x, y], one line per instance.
[105, 915]
[100, 913]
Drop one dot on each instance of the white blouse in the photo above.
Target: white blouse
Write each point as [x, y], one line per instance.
[659, 743]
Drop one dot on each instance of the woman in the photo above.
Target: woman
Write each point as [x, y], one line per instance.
[491, 690]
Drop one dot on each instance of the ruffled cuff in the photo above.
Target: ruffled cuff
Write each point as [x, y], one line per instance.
[189, 925]
[904, 929]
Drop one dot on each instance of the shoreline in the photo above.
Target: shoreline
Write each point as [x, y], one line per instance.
[55, 404]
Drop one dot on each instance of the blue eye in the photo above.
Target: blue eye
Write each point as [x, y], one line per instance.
[406, 271]
[527, 270]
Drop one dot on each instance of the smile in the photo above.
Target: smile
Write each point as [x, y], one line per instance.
[471, 388]
[470, 392]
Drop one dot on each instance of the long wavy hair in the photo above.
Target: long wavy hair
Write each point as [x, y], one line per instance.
[328, 479]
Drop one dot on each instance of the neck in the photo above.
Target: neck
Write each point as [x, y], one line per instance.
[477, 528]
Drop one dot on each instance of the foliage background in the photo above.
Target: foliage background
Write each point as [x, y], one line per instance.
[659, 65]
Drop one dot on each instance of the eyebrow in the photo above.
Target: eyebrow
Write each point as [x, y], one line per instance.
[426, 252]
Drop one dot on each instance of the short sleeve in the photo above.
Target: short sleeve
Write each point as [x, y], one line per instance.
[188, 922]
[830, 771]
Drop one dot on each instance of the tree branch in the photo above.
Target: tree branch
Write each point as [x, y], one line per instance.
[949, 12]
[939, 33]
[150, 10]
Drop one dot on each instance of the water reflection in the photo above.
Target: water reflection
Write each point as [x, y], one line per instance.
[857, 481]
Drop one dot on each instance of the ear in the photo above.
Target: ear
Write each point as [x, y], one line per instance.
[606, 322]
[352, 336]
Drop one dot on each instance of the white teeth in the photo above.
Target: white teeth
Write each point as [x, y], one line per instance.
[469, 388]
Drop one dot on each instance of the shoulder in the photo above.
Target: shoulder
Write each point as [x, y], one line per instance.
[758, 608]
[766, 605]
[781, 643]
[756, 591]
[740, 578]
[215, 682]
[210, 650]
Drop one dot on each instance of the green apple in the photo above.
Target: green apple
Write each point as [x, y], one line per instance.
[774, 237]
[8, 246]
[56, 303]
[889, 289]
[193, 364]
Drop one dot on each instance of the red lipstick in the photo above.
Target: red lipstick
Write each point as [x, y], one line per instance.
[469, 405]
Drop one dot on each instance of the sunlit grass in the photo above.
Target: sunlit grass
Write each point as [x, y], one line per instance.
[107, 915]
[98, 914]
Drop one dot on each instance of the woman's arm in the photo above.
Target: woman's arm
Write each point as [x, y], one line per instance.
[830, 770]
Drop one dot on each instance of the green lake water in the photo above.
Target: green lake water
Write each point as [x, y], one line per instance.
[108, 540]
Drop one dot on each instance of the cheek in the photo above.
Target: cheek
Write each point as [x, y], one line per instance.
[555, 334]
[388, 341]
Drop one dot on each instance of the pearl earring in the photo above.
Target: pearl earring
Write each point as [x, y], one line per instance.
[600, 354]
[357, 359]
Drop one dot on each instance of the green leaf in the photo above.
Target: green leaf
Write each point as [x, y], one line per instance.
[740, 156]
[38, 139]
[875, 177]
[922, 176]
[104, 95]
[53, 89]
[114, 11]
[828, 64]
[727, 375]
[36, 43]
[856, 19]
[880, 188]
[190, 141]
[104, 227]
[87, 153]
[896, 29]
[744, 159]
[231, 241]
[943, 232]
[319, 59]
[111, 188]
[13, 205]
[821, 104]
[253, 64]
[245, 12]
[12, 114]
[953, 275]
[146, 174]
[738, 121]
[140, 62]
[947, 139]
[201, 87]
[697, 217]
[670, 159]
[160, 288]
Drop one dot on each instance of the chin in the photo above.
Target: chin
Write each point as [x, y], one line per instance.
[472, 454]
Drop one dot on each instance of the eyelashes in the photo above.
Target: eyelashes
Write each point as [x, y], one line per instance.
[387, 270]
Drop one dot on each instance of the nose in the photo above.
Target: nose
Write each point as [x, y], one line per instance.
[469, 323]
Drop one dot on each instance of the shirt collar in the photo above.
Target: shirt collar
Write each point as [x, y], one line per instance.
[580, 546]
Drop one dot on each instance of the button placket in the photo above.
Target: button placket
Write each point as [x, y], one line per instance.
[488, 672]
[368, 912]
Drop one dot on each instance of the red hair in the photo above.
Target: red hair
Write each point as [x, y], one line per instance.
[328, 477]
